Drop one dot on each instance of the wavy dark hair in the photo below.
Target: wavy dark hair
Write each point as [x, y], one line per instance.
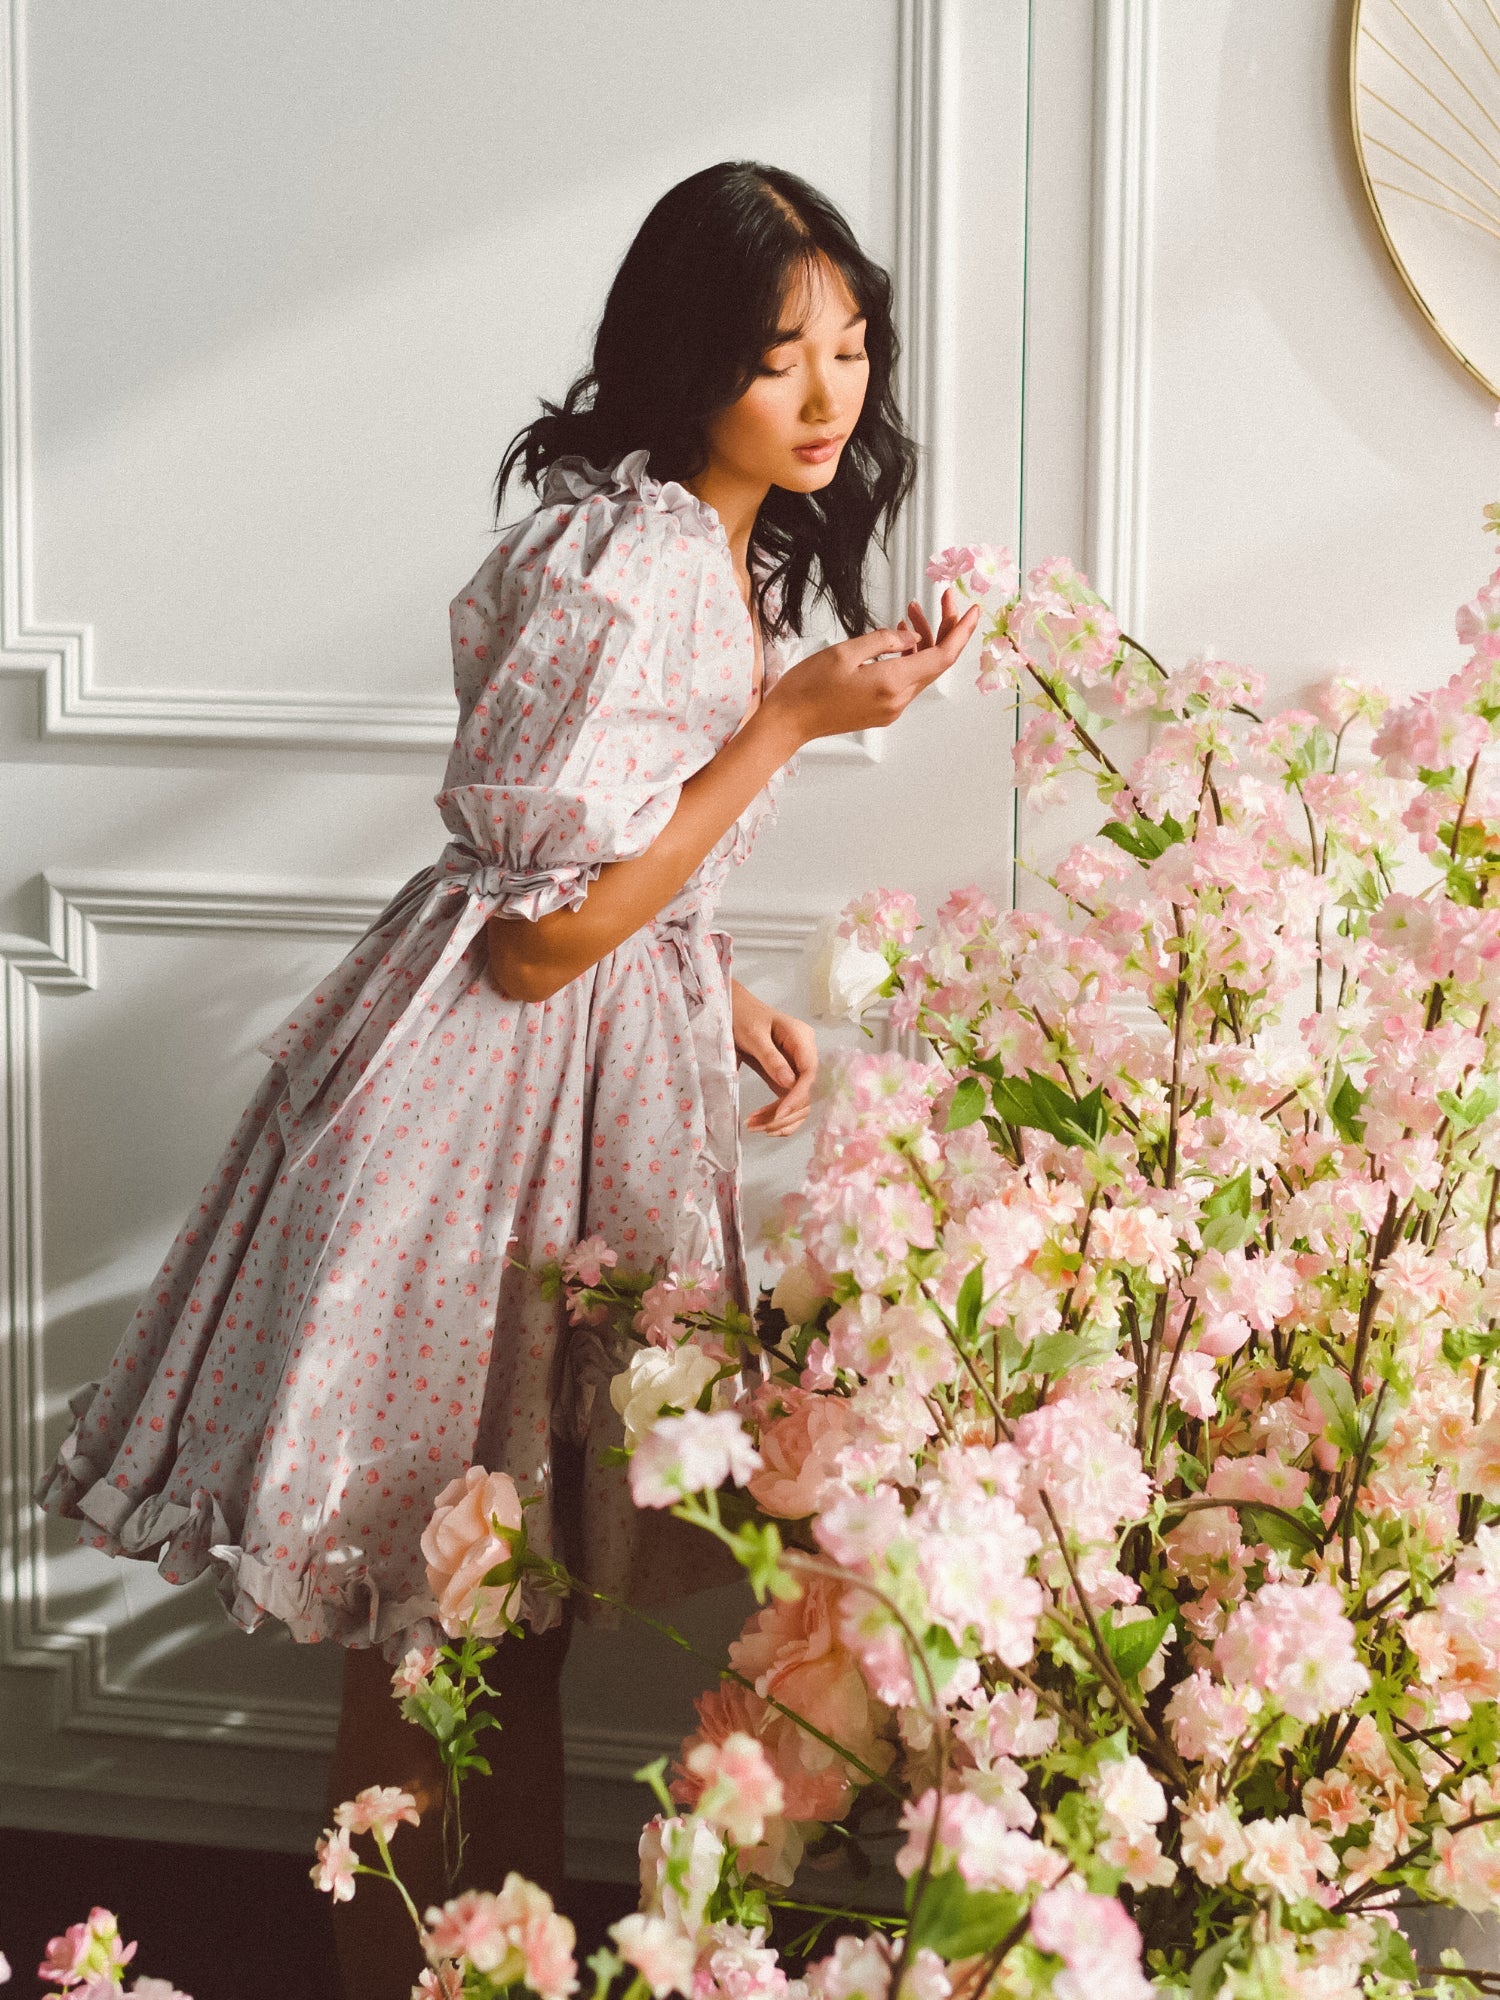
[693, 308]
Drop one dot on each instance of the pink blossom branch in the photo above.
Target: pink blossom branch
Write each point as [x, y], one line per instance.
[1163, 1752]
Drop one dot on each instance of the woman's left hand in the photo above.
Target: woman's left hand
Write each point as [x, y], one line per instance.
[783, 1052]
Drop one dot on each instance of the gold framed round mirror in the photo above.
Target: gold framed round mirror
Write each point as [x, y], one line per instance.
[1424, 103]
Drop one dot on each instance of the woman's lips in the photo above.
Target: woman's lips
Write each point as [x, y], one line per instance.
[819, 453]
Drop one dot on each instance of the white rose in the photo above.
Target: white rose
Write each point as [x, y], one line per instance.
[659, 1378]
[846, 978]
[798, 1294]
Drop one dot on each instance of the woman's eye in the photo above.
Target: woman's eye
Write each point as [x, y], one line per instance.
[861, 356]
[766, 369]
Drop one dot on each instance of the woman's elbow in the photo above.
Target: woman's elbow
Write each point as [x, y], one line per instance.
[517, 974]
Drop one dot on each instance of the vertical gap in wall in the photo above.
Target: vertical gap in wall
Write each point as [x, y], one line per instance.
[1015, 797]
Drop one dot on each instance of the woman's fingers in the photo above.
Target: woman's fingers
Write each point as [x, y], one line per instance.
[920, 670]
[800, 1046]
[795, 1052]
[916, 617]
[891, 639]
[956, 635]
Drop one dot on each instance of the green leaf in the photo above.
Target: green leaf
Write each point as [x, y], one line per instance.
[1015, 1101]
[1464, 1113]
[1336, 1399]
[1047, 1107]
[1226, 1214]
[958, 1922]
[1065, 1116]
[1345, 1102]
[1131, 1647]
[970, 1305]
[757, 1548]
[1289, 1537]
[1204, 1983]
[1056, 1353]
[1463, 887]
[438, 1708]
[1393, 1954]
[1461, 1344]
[654, 1774]
[967, 1105]
[1142, 837]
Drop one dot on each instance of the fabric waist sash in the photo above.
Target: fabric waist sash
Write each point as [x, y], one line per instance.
[464, 889]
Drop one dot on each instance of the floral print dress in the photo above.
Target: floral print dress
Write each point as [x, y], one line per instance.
[351, 1315]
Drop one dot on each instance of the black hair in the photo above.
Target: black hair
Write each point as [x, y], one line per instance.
[693, 308]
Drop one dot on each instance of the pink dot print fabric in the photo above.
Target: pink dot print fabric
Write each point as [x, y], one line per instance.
[351, 1314]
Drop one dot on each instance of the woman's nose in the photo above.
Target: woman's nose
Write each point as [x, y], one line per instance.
[818, 404]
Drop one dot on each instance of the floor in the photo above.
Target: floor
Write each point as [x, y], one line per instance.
[201, 1914]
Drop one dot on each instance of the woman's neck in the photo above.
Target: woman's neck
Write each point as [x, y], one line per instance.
[736, 501]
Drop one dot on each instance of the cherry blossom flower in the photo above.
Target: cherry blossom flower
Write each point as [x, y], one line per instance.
[334, 1870]
[885, 916]
[514, 1936]
[378, 1809]
[1294, 1642]
[1098, 1943]
[587, 1262]
[693, 1453]
[740, 1789]
[660, 1953]
[1213, 1843]
[88, 1955]
[734, 1963]
[1286, 1855]
[414, 1670]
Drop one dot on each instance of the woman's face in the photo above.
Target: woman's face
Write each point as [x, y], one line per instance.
[790, 425]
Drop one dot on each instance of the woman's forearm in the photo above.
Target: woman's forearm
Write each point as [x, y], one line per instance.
[533, 960]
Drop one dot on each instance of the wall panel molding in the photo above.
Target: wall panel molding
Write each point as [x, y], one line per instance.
[76, 701]
[1120, 302]
[924, 263]
[65, 963]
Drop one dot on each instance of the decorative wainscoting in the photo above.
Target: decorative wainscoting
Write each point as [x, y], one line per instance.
[1125, 82]
[86, 1702]
[76, 698]
[202, 742]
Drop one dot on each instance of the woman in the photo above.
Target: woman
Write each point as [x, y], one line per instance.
[536, 1040]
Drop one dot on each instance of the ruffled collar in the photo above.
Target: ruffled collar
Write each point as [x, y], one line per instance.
[576, 478]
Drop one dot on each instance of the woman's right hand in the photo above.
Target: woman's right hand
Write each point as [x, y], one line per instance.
[848, 686]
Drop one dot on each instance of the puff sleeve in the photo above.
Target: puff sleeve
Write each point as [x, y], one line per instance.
[583, 706]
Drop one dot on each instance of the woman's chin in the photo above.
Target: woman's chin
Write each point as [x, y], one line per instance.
[799, 478]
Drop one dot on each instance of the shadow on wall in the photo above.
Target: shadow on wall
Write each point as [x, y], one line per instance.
[308, 115]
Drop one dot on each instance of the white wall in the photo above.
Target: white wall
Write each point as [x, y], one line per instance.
[275, 286]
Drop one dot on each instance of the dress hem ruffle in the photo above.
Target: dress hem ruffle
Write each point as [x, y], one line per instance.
[187, 1540]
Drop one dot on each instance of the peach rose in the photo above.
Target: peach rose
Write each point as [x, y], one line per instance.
[794, 1654]
[461, 1547]
[727, 1710]
[799, 1450]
